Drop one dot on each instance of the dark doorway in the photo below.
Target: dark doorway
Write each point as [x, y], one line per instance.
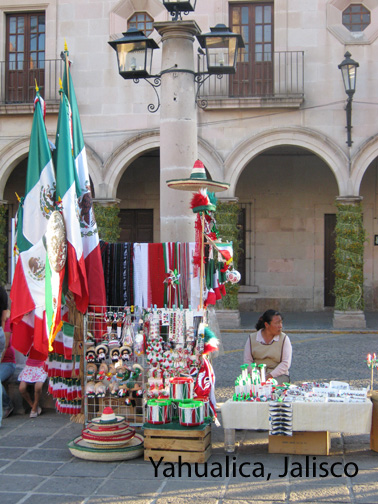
[137, 226]
[329, 258]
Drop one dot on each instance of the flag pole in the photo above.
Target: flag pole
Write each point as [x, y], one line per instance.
[202, 254]
[67, 69]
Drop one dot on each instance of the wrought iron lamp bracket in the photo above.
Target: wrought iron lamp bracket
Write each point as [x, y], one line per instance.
[200, 78]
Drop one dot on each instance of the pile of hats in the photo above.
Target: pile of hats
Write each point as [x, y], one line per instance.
[107, 438]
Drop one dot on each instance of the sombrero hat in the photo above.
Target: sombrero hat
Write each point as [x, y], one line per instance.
[81, 449]
[108, 417]
[197, 180]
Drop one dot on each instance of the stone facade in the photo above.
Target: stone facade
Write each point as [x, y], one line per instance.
[285, 157]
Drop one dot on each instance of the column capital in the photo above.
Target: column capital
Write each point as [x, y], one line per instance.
[180, 29]
[349, 200]
[228, 199]
[107, 202]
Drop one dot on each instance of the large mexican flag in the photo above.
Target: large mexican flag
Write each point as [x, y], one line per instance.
[88, 226]
[67, 193]
[38, 202]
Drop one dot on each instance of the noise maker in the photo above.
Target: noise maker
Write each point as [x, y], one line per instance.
[181, 387]
[206, 406]
[158, 412]
[191, 413]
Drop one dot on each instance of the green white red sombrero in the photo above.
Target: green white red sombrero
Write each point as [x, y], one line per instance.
[197, 180]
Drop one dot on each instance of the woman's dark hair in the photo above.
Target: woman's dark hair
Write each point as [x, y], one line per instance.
[3, 300]
[266, 317]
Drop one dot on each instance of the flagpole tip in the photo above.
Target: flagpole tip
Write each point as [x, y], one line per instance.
[60, 83]
[36, 86]
[65, 45]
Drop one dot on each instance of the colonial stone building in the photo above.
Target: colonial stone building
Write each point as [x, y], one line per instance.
[275, 131]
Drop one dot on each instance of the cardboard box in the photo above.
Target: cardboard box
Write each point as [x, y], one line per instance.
[301, 443]
[374, 423]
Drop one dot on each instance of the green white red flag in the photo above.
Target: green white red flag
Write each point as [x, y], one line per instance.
[88, 225]
[28, 289]
[67, 193]
[28, 302]
[39, 199]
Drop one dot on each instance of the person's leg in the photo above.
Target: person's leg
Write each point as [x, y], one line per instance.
[6, 371]
[37, 396]
[23, 388]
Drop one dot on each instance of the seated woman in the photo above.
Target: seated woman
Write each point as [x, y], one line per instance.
[270, 346]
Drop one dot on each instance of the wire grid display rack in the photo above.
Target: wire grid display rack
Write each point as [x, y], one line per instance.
[114, 369]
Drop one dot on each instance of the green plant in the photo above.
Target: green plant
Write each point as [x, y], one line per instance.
[3, 244]
[107, 222]
[349, 257]
[226, 215]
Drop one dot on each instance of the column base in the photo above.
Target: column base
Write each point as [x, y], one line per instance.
[351, 319]
[228, 319]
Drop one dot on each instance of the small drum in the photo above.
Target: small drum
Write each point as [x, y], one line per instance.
[158, 412]
[181, 387]
[191, 413]
[206, 406]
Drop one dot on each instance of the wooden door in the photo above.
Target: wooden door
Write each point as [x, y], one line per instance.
[254, 72]
[329, 259]
[136, 226]
[25, 56]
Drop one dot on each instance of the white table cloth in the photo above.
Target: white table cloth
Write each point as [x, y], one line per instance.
[353, 418]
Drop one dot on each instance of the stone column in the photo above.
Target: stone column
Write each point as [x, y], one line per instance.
[349, 263]
[178, 127]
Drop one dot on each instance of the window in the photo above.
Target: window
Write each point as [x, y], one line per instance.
[254, 73]
[356, 18]
[141, 21]
[25, 56]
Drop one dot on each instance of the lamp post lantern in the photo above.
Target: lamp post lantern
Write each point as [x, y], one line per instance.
[221, 46]
[348, 69]
[134, 54]
[176, 7]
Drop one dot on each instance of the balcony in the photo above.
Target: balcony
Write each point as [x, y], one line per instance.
[17, 85]
[272, 80]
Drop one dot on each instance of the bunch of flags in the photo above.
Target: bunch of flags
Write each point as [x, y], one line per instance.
[57, 182]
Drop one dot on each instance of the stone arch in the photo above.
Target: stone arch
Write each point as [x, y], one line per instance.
[126, 153]
[319, 144]
[361, 161]
[118, 162]
[10, 156]
[14, 152]
[211, 159]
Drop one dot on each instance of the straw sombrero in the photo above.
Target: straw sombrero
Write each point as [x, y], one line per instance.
[197, 180]
[108, 417]
[81, 449]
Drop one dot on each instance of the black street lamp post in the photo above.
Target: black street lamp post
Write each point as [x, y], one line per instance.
[348, 69]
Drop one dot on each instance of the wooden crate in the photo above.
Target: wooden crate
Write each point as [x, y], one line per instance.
[193, 445]
[374, 423]
[301, 443]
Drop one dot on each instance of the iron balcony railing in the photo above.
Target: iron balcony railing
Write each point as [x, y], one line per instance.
[272, 75]
[18, 81]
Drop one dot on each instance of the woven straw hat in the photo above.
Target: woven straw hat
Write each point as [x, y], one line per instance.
[197, 180]
[81, 449]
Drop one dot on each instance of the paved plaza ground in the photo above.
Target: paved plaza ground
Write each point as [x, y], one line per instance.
[37, 467]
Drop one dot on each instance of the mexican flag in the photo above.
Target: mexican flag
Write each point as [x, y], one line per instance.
[28, 302]
[88, 226]
[38, 202]
[28, 289]
[67, 193]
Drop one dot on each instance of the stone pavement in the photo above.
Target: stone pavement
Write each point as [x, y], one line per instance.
[37, 467]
